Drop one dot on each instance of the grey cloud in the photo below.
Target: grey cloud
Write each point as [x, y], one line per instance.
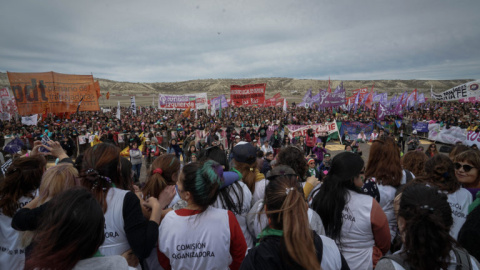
[183, 40]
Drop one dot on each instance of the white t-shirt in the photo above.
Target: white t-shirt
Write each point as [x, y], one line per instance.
[459, 202]
[245, 208]
[12, 254]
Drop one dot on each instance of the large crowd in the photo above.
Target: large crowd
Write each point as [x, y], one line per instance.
[221, 192]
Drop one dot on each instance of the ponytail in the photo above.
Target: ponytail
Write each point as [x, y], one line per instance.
[161, 175]
[287, 210]
[428, 218]
[248, 173]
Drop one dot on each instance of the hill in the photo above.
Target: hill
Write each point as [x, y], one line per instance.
[286, 86]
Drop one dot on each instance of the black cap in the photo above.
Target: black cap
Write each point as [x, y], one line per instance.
[245, 152]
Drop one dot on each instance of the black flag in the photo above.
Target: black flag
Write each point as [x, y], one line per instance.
[79, 103]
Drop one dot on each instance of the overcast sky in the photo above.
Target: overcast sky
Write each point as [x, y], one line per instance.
[166, 41]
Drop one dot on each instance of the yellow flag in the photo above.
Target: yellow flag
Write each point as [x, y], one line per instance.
[96, 141]
[125, 152]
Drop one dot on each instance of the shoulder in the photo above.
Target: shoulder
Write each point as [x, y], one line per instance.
[265, 255]
[388, 264]
[108, 262]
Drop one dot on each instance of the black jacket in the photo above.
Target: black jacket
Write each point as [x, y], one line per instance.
[271, 253]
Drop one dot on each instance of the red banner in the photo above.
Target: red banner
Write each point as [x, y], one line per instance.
[361, 90]
[271, 102]
[248, 95]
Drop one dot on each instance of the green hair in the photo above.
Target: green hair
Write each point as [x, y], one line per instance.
[203, 180]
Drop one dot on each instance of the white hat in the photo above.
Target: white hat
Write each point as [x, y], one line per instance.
[414, 131]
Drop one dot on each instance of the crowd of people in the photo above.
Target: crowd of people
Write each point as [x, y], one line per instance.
[237, 197]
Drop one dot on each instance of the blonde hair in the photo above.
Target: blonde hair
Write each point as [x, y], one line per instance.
[287, 210]
[55, 180]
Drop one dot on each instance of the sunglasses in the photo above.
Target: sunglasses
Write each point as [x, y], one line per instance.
[465, 167]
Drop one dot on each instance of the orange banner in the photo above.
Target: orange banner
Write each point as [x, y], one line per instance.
[54, 92]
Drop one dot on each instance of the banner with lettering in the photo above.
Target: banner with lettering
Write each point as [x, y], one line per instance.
[466, 90]
[52, 92]
[318, 129]
[248, 95]
[334, 99]
[354, 128]
[8, 106]
[444, 135]
[176, 102]
[420, 126]
[201, 100]
[473, 138]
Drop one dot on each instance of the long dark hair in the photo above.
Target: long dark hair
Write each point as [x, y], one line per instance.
[71, 230]
[232, 193]
[21, 179]
[126, 172]
[333, 195]
[216, 154]
[101, 169]
[428, 218]
[287, 210]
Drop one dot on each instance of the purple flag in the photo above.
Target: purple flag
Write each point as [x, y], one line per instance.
[315, 100]
[421, 98]
[219, 100]
[339, 88]
[382, 112]
[335, 99]
[356, 101]
[307, 98]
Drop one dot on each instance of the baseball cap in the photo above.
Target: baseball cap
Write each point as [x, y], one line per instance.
[414, 132]
[245, 153]
[237, 137]
[280, 171]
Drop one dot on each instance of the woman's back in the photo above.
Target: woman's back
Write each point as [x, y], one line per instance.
[196, 240]
[116, 241]
[357, 240]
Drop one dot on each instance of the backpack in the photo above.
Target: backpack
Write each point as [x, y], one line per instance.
[462, 257]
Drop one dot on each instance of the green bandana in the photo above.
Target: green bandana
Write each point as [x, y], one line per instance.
[269, 232]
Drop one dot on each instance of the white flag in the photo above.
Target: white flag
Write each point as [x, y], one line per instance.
[133, 105]
[118, 111]
[213, 109]
[285, 105]
[30, 120]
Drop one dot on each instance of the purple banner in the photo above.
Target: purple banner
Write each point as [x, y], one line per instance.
[335, 99]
